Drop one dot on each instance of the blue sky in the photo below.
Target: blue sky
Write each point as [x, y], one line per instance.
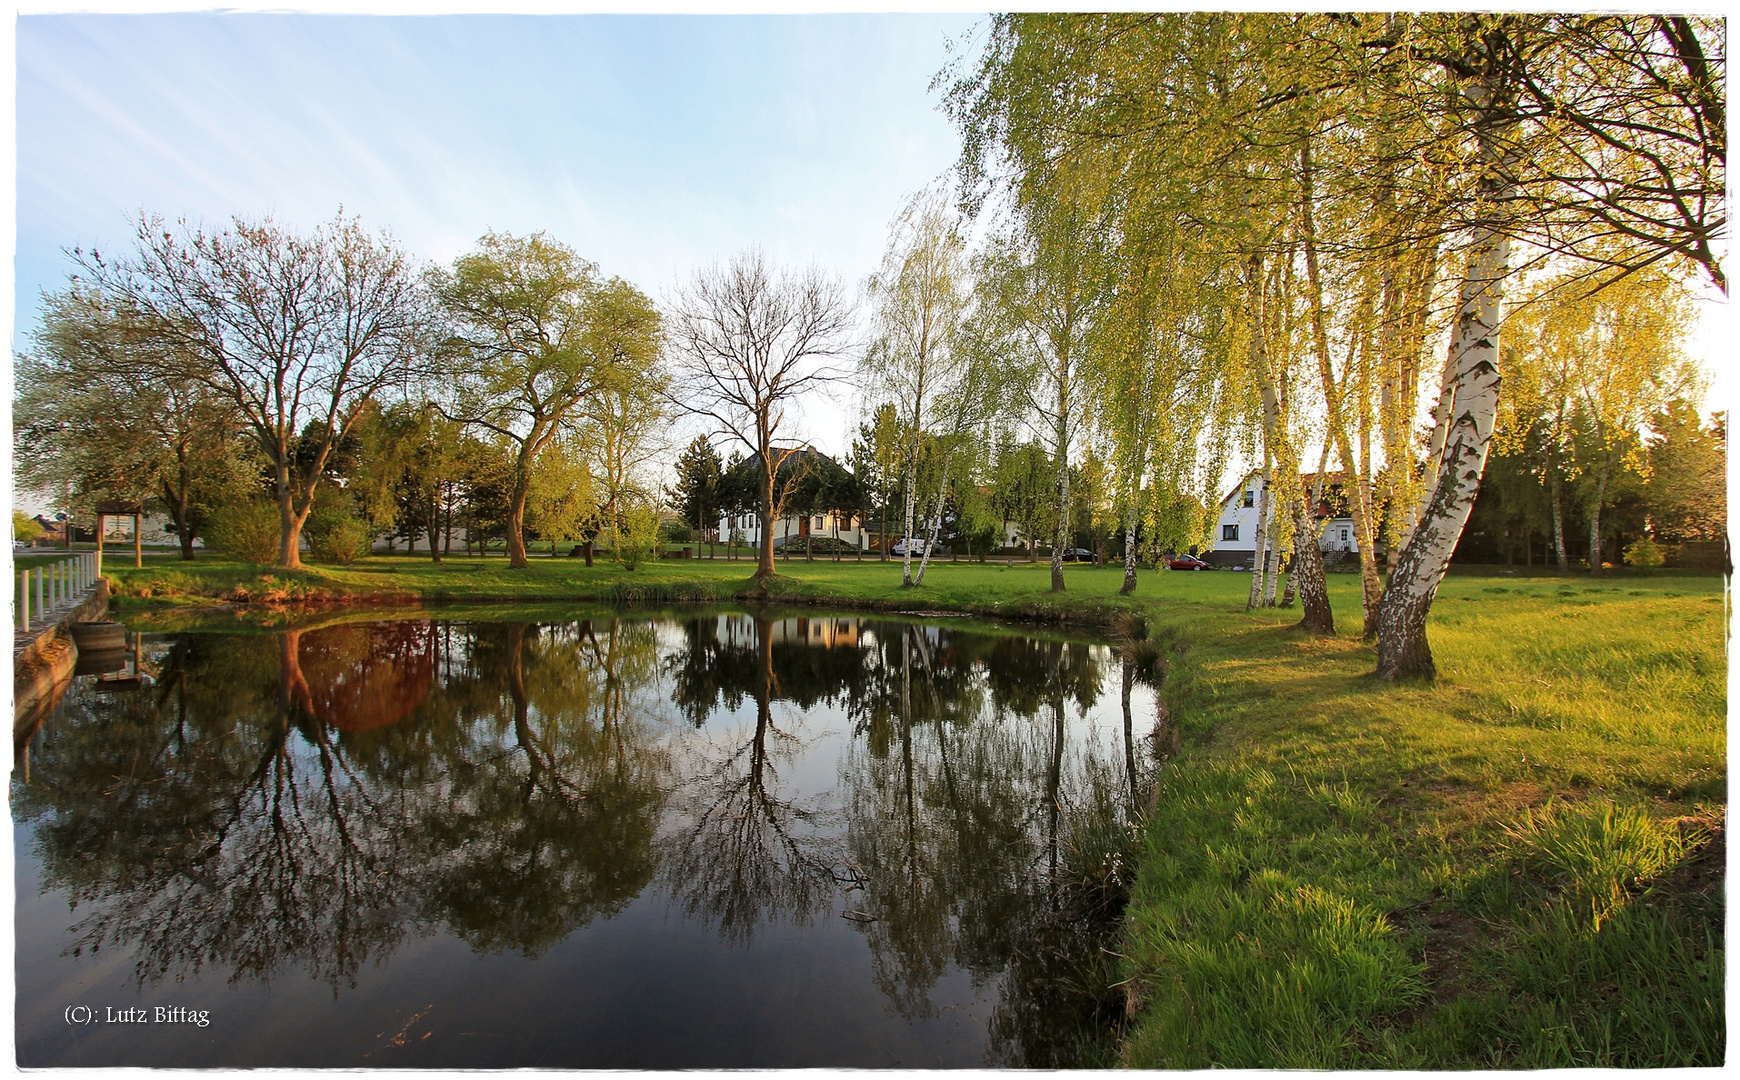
[651, 144]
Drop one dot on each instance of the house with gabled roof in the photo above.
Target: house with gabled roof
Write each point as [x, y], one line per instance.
[1235, 534]
[745, 528]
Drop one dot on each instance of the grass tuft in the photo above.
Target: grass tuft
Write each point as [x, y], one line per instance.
[1596, 854]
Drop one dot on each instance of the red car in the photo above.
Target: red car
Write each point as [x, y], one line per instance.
[1187, 562]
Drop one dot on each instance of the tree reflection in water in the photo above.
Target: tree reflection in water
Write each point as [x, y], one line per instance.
[222, 822]
[954, 813]
[311, 799]
[552, 824]
[748, 848]
[218, 822]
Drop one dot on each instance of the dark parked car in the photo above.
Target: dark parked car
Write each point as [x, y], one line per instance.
[1187, 562]
[1077, 555]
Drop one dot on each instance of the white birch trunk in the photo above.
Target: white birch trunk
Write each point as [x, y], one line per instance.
[1559, 526]
[1318, 618]
[1058, 542]
[1129, 552]
[1259, 554]
[935, 523]
[1472, 396]
[1271, 562]
[911, 508]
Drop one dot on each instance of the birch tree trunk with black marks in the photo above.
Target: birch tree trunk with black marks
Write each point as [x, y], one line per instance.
[1271, 559]
[1060, 539]
[911, 511]
[1307, 560]
[1129, 585]
[1259, 561]
[1471, 392]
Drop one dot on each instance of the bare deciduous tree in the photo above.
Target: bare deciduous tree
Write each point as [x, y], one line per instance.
[748, 343]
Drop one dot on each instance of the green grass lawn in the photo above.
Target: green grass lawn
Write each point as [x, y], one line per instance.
[1517, 865]
[987, 588]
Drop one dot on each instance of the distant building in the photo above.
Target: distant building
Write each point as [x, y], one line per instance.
[455, 539]
[851, 529]
[1235, 535]
[54, 533]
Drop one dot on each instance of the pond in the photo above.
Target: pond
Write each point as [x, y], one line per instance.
[589, 839]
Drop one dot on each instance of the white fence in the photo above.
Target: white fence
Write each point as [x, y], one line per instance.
[44, 590]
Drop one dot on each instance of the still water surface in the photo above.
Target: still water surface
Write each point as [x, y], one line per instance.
[594, 840]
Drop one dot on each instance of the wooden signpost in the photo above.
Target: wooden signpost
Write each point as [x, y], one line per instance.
[133, 510]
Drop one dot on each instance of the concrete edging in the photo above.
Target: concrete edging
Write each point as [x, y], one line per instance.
[42, 669]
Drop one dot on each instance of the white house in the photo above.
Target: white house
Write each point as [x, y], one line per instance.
[1235, 534]
[746, 529]
[853, 530]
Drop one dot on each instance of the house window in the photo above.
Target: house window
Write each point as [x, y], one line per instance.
[1250, 497]
[821, 523]
[1344, 536]
[1229, 532]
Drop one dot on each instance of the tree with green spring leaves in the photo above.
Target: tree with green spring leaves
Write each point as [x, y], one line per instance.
[533, 336]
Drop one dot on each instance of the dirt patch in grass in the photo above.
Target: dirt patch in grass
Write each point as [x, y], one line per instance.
[1450, 938]
[1454, 806]
[1699, 879]
[1446, 940]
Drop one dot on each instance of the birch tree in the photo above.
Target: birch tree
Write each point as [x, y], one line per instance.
[1578, 143]
[1041, 280]
[964, 411]
[1468, 400]
[919, 299]
[1160, 351]
[1593, 137]
[1596, 363]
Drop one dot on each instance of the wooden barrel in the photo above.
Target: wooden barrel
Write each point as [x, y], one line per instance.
[99, 636]
[101, 661]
